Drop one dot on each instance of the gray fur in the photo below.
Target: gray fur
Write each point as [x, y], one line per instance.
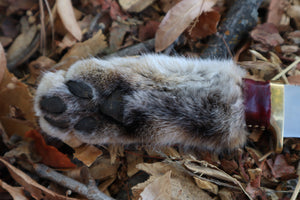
[165, 100]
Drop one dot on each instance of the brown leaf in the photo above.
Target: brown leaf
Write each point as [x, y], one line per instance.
[14, 94]
[21, 43]
[66, 13]
[206, 185]
[135, 6]
[86, 49]
[276, 11]
[148, 30]
[280, 167]
[36, 190]
[50, 155]
[267, 34]
[117, 33]
[87, 154]
[16, 192]
[206, 24]
[178, 19]
[160, 188]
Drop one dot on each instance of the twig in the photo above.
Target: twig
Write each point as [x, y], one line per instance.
[239, 20]
[90, 191]
[144, 47]
[291, 66]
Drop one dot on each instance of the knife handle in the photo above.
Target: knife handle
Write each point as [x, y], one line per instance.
[260, 111]
[257, 102]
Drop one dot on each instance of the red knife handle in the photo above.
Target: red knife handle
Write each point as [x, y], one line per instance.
[257, 100]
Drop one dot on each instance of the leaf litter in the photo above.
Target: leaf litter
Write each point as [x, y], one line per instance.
[100, 27]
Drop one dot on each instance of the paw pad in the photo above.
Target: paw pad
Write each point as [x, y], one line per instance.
[80, 89]
[53, 105]
[87, 124]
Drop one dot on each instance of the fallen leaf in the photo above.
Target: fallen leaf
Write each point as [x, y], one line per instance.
[14, 93]
[16, 192]
[21, 43]
[182, 185]
[135, 6]
[276, 10]
[49, 154]
[160, 188]
[289, 49]
[116, 36]
[204, 25]
[38, 66]
[148, 30]
[206, 185]
[132, 160]
[267, 34]
[66, 13]
[112, 6]
[81, 50]
[87, 154]
[280, 167]
[293, 12]
[178, 19]
[102, 169]
[36, 190]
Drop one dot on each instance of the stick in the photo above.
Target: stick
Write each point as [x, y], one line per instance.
[239, 20]
[144, 47]
[90, 191]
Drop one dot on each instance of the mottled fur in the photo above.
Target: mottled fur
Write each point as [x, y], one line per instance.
[166, 100]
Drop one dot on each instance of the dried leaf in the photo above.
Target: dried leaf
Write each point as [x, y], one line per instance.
[202, 167]
[87, 154]
[14, 94]
[206, 185]
[178, 19]
[148, 30]
[50, 155]
[86, 49]
[205, 25]
[160, 188]
[117, 33]
[132, 160]
[16, 192]
[135, 6]
[102, 169]
[280, 167]
[21, 43]
[36, 190]
[182, 185]
[66, 13]
[276, 11]
[267, 34]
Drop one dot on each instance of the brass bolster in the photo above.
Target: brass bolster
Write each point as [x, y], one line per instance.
[277, 114]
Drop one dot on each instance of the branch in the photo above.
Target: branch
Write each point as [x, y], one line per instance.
[90, 191]
[239, 20]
